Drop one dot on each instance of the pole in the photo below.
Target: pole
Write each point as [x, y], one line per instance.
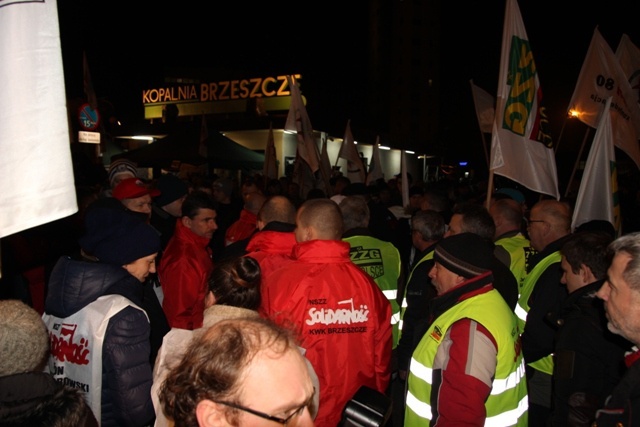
[484, 146]
[489, 189]
[555, 149]
[575, 166]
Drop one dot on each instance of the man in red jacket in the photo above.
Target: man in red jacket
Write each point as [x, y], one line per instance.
[341, 314]
[186, 263]
[271, 246]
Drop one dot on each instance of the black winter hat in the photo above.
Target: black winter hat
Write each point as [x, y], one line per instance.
[171, 189]
[115, 236]
[465, 254]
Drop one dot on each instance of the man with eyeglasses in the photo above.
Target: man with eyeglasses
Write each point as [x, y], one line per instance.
[549, 227]
[240, 372]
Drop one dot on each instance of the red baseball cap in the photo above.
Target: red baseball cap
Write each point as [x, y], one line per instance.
[132, 188]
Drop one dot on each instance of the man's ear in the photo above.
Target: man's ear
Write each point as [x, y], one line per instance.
[186, 221]
[210, 414]
[586, 274]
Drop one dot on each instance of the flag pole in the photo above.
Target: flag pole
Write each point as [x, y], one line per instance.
[484, 146]
[575, 166]
[489, 189]
[555, 149]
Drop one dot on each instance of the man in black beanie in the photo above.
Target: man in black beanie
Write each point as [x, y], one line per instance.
[99, 332]
[468, 367]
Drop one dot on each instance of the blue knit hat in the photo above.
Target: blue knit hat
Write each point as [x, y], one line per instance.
[115, 236]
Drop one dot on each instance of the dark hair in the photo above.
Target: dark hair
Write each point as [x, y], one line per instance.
[195, 201]
[476, 219]
[324, 216]
[214, 362]
[590, 249]
[437, 200]
[236, 282]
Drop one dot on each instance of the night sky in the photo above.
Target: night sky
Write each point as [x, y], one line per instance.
[130, 49]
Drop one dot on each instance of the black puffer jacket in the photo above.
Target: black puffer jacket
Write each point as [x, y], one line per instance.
[126, 371]
[589, 359]
[36, 399]
[623, 406]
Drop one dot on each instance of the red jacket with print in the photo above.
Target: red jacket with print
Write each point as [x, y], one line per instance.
[342, 317]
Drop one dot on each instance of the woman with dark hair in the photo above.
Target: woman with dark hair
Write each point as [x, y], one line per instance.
[234, 292]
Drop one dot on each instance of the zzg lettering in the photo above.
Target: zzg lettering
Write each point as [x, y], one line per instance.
[64, 348]
[368, 259]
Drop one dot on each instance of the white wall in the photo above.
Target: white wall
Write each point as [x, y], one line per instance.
[285, 145]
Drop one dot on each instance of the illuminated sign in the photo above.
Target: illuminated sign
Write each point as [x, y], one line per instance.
[227, 90]
[222, 97]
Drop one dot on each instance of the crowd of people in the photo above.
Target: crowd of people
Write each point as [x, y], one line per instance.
[211, 302]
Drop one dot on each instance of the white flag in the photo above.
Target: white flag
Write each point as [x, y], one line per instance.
[298, 122]
[520, 145]
[375, 166]
[270, 168]
[597, 196]
[628, 55]
[485, 107]
[349, 152]
[34, 132]
[602, 77]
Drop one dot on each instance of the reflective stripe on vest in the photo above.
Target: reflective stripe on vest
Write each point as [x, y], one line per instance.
[544, 364]
[380, 260]
[507, 403]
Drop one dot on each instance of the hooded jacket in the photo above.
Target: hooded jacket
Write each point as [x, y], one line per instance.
[126, 371]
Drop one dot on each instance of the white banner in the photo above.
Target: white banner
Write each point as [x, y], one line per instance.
[36, 171]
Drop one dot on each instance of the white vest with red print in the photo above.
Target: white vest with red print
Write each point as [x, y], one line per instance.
[76, 346]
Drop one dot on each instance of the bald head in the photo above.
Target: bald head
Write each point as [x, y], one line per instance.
[549, 220]
[276, 208]
[319, 219]
[254, 201]
[507, 215]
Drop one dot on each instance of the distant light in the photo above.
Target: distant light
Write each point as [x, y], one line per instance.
[143, 138]
[574, 113]
[290, 131]
[409, 152]
[355, 142]
[383, 147]
[462, 163]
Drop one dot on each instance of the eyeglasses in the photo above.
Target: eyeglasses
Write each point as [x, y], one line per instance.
[283, 421]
